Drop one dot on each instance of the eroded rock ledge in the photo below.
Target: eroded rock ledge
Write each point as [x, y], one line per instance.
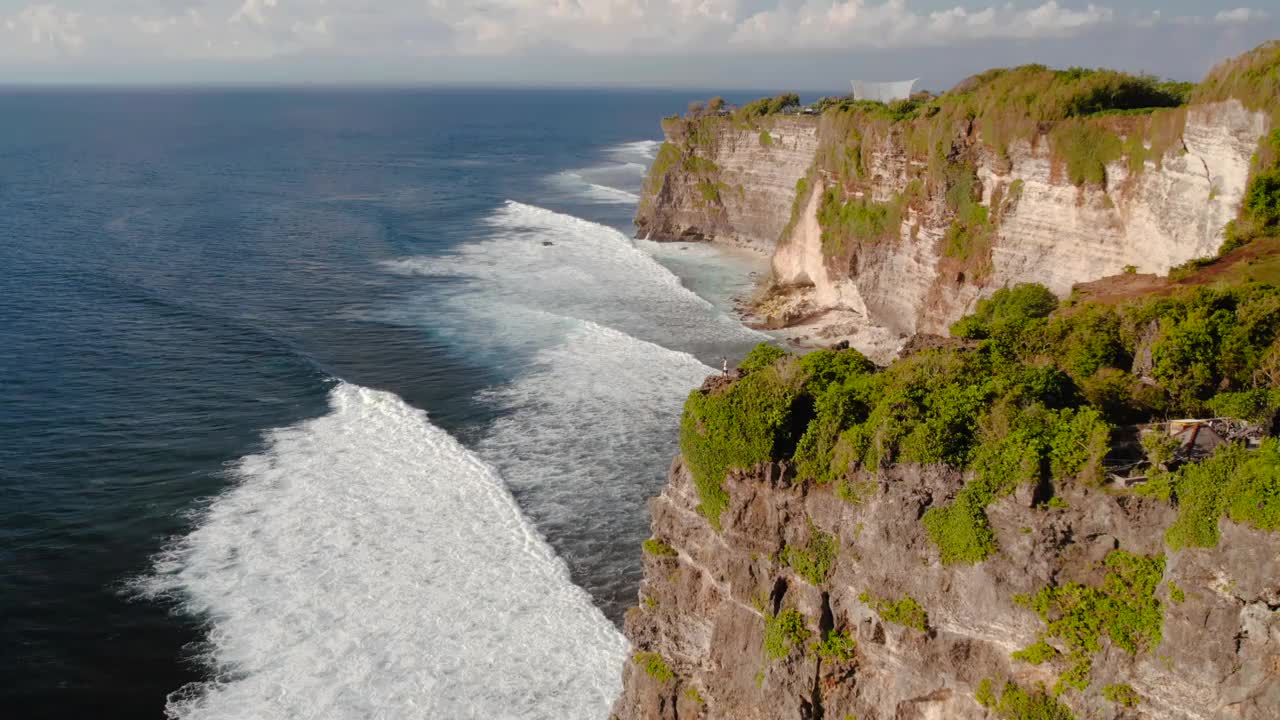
[708, 599]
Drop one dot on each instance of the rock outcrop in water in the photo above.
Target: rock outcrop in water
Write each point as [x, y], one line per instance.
[884, 222]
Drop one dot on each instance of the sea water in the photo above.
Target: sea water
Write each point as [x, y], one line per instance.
[335, 404]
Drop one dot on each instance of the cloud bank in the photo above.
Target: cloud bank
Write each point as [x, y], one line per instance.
[231, 31]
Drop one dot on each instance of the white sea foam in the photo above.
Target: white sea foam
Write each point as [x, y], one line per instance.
[584, 437]
[585, 326]
[537, 260]
[574, 182]
[644, 150]
[366, 565]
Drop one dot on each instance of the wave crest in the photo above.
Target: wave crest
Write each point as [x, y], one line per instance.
[365, 564]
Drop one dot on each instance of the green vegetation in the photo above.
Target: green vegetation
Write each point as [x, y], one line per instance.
[1176, 594]
[709, 192]
[814, 561]
[784, 632]
[655, 666]
[1086, 148]
[984, 694]
[1122, 694]
[761, 357]
[847, 223]
[798, 204]
[1260, 208]
[1243, 485]
[837, 646]
[1252, 78]
[1014, 703]
[1007, 306]
[1030, 402]
[904, 611]
[691, 693]
[668, 157]
[766, 139]
[768, 106]
[1019, 444]
[658, 548]
[1124, 609]
[750, 422]
[1036, 653]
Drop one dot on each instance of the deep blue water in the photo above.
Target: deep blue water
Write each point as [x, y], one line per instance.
[182, 272]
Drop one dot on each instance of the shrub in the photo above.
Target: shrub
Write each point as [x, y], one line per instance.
[655, 666]
[784, 632]
[1016, 447]
[739, 427]
[1015, 703]
[904, 611]
[1036, 653]
[1086, 148]
[837, 646]
[1243, 485]
[658, 548]
[1124, 608]
[766, 139]
[761, 357]
[845, 223]
[1257, 405]
[814, 561]
[768, 106]
[1122, 694]
[1007, 306]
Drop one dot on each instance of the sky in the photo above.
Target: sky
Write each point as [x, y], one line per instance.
[729, 44]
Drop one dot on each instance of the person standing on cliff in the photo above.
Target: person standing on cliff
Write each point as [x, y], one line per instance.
[724, 366]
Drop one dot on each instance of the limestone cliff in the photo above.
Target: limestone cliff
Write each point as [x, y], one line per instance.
[701, 630]
[736, 187]
[1002, 525]
[887, 222]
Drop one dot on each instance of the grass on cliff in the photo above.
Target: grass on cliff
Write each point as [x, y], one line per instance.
[1235, 483]
[1031, 400]
[783, 633]
[1124, 608]
[655, 666]
[1016, 703]
[904, 611]
[814, 560]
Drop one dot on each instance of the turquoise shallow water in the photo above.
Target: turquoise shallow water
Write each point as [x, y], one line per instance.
[333, 404]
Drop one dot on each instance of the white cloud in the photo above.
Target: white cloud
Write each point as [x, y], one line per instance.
[253, 11]
[859, 23]
[1239, 16]
[50, 32]
[225, 29]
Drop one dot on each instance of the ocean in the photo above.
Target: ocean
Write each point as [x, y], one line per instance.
[335, 403]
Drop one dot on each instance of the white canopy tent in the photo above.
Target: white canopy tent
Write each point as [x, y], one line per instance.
[883, 91]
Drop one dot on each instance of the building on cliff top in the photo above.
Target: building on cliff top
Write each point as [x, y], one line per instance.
[884, 92]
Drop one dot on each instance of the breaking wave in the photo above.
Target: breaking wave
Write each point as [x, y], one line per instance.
[574, 182]
[584, 321]
[534, 260]
[616, 182]
[642, 151]
[366, 565]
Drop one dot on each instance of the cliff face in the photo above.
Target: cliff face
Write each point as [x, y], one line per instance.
[737, 187]
[1162, 201]
[708, 645]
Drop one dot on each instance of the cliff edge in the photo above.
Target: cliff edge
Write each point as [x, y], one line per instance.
[1005, 524]
[885, 221]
